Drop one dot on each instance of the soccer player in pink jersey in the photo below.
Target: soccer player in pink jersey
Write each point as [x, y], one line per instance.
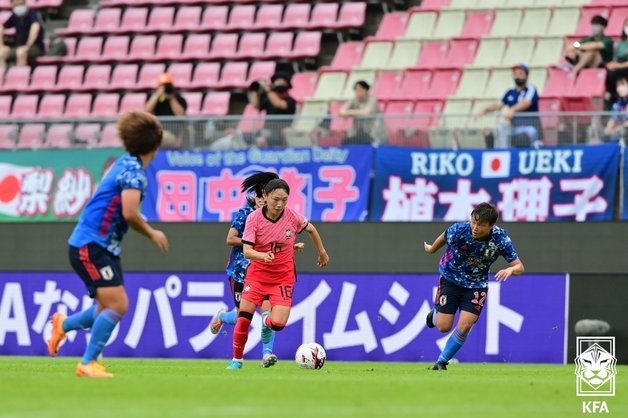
[268, 241]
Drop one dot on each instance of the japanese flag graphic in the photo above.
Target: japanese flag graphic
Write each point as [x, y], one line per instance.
[10, 187]
[495, 164]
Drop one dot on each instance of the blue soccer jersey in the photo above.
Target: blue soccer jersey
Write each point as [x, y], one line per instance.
[101, 221]
[237, 264]
[467, 261]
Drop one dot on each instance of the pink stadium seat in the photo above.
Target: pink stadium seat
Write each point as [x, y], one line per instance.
[181, 73]
[261, 70]
[132, 101]
[16, 79]
[8, 135]
[194, 100]
[96, 77]
[70, 44]
[196, 47]
[206, 75]
[296, 16]
[352, 15]
[216, 103]
[81, 21]
[43, 78]
[25, 106]
[348, 55]
[616, 21]
[398, 118]
[444, 83]
[252, 120]
[5, 106]
[559, 82]
[106, 105]
[107, 21]
[461, 52]
[242, 17]
[224, 46]
[324, 15]
[268, 17]
[279, 45]
[386, 84]
[116, 49]
[147, 78]
[188, 19]
[414, 83]
[134, 20]
[589, 88]
[58, 136]
[124, 76]
[109, 137]
[233, 75]
[31, 136]
[478, 24]
[433, 55]
[169, 48]
[214, 18]
[160, 20]
[142, 48]
[303, 85]
[79, 105]
[251, 46]
[89, 49]
[428, 107]
[87, 133]
[434, 4]
[584, 27]
[307, 45]
[70, 78]
[392, 25]
[51, 106]
[550, 121]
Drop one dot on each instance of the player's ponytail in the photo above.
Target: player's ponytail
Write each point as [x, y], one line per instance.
[256, 182]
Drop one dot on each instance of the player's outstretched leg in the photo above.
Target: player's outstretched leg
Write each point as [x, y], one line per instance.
[62, 324]
[268, 340]
[456, 340]
[223, 317]
[103, 326]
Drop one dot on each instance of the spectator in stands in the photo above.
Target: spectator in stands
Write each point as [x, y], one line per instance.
[619, 121]
[166, 101]
[618, 67]
[29, 36]
[593, 51]
[518, 128]
[273, 98]
[363, 108]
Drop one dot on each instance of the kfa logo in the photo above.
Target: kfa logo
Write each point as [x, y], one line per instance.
[595, 371]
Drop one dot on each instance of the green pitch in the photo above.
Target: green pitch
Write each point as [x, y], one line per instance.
[46, 388]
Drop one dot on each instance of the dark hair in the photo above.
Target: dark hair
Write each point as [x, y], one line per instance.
[623, 36]
[141, 132]
[362, 84]
[282, 76]
[599, 20]
[254, 184]
[276, 184]
[485, 212]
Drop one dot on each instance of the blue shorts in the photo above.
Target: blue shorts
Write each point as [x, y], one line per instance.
[450, 297]
[96, 266]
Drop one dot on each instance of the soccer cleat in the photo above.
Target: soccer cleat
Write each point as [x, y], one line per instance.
[269, 360]
[216, 323]
[440, 365]
[58, 335]
[429, 319]
[234, 365]
[92, 369]
[267, 333]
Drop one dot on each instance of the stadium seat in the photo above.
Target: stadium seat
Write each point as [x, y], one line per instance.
[507, 22]
[196, 47]
[296, 16]
[233, 75]
[375, 54]
[16, 79]
[348, 55]
[106, 105]
[188, 19]
[252, 46]
[449, 24]
[5, 106]
[261, 70]
[401, 124]
[547, 52]
[535, 21]
[124, 76]
[133, 101]
[115, 49]
[309, 116]
[352, 15]
[241, 18]
[109, 137]
[96, 77]
[303, 85]
[224, 46]
[31, 136]
[107, 21]
[181, 73]
[559, 82]
[51, 106]
[206, 75]
[252, 120]
[386, 84]
[88, 50]
[428, 107]
[392, 26]
[489, 52]
[133, 20]
[455, 107]
[142, 48]
[168, 48]
[147, 78]
[518, 50]
[216, 103]
[478, 24]
[473, 83]
[433, 54]
[279, 45]
[421, 25]
[268, 17]
[338, 127]
[461, 53]
[306, 45]
[590, 83]
[564, 21]
[355, 76]
[193, 100]
[329, 85]
[58, 136]
[70, 45]
[538, 78]
[81, 21]
[24, 106]
[616, 22]
[549, 107]
[324, 15]
[70, 78]
[414, 83]
[78, 105]
[214, 18]
[444, 83]
[584, 26]
[87, 133]
[499, 81]
[8, 134]
[161, 19]
[434, 4]
[404, 55]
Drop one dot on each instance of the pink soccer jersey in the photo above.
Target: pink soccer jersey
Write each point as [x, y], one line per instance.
[277, 236]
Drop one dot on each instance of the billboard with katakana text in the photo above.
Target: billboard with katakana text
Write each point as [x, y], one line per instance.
[326, 184]
[378, 317]
[50, 185]
[557, 184]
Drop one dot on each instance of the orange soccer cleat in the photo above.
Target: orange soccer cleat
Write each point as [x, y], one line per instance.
[92, 369]
[57, 336]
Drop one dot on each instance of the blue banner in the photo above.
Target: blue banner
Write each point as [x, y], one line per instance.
[570, 184]
[326, 184]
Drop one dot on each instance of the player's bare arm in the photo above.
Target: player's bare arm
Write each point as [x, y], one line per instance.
[233, 238]
[438, 243]
[323, 257]
[515, 268]
[131, 212]
[252, 254]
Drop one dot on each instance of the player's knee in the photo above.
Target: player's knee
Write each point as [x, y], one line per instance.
[245, 315]
[444, 327]
[277, 326]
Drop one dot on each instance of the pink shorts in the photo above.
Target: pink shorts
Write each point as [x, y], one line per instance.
[277, 293]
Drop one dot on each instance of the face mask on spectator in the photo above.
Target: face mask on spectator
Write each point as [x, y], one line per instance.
[596, 30]
[622, 90]
[520, 82]
[20, 10]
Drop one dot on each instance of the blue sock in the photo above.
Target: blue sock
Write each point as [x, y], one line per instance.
[101, 331]
[267, 348]
[81, 320]
[229, 317]
[454, 343]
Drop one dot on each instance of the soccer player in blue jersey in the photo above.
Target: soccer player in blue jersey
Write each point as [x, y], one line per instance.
[472, 247]
[95, 243]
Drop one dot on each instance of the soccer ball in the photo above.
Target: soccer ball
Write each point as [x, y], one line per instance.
[310, 356]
